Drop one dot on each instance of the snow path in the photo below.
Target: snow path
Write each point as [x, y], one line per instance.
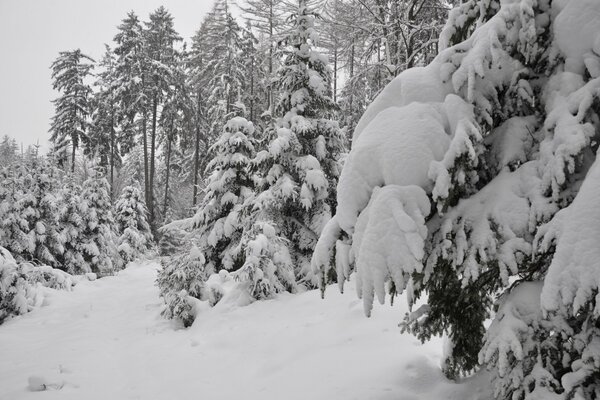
[107, 340]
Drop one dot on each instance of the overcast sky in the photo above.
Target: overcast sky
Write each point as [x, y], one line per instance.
[32, 32]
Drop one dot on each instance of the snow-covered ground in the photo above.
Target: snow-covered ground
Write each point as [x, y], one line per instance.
[107, 340]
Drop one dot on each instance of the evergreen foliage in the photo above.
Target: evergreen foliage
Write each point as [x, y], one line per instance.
[132, 224]
[300, 167]
[69, 124]
[98, 237]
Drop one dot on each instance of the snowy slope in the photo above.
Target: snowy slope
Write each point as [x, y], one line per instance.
[107, 340]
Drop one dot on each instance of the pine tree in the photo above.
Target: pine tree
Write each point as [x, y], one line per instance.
[132, 224]
[301, 165]
[69, 124]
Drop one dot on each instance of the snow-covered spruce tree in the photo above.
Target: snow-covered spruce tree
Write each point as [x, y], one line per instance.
[301, 167]
[181, 283]
[221, 217]
[218, 223]
[98, 239]
[72, 214]
[29, 214]
[268, 267]
[457, 167]
[132, 225]
[172, 239]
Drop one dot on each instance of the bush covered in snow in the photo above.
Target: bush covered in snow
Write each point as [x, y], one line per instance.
[20, 284]
[453, 188]
[181, 283]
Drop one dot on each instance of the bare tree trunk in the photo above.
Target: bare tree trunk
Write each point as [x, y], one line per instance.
[169, 141]
[335, 69]
[152, 155]
[73, 157]
[112, 154]
[145, 144]
[197, 150]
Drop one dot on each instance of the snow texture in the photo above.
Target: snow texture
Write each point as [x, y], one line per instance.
[131, 351]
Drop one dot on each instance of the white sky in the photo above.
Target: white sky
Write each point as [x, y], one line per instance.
[32, 32]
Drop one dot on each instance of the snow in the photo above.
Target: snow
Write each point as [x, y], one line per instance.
[419, 84]
[107, 340]
[396, 148]
[573, 276]
[576, 34]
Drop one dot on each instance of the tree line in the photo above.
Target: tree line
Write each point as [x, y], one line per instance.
[153, 104]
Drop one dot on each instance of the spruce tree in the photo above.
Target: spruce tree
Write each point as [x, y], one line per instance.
[219, 221]
[300, 167]
[98, 237]
[132, 224]
[72, 214]
[474, 181]
[69, 124]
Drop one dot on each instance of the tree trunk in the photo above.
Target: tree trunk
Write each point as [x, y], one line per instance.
[197, 152]
[73, 157]
[335, 62]
[112, 155]
[145, 144]
[166, 200]
[152, 154]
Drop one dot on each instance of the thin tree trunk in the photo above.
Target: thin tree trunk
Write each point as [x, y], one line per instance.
[73, 157]
[166, 200]
[197, 152]
[112, 155]
[335, 70]
[152, 154]
[270, 86]
[145, 144]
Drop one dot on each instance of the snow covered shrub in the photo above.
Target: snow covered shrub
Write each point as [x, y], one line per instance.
[181, 283]
[453, 185]
[132, 224]
[268, 267]
[19, 284]
[14, 288]
[300, 168]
